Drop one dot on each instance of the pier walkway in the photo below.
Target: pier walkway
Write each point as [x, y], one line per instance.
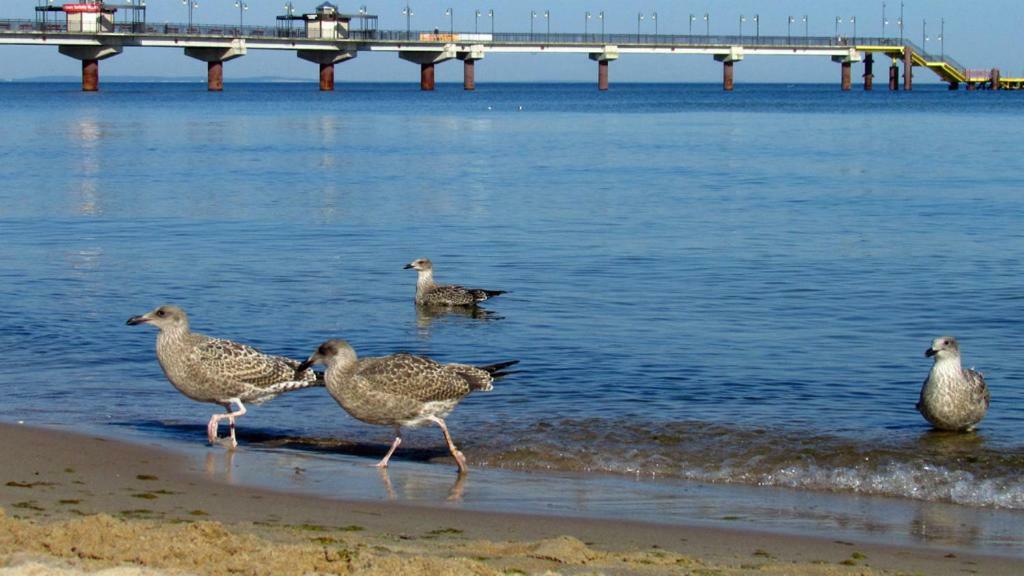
[216, 44]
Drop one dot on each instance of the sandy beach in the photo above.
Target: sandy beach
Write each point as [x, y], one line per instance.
[80, 504]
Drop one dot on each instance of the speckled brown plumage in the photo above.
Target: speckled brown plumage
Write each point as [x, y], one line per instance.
[400, 390]
[220, 371]
[429, 293]
[952, 398]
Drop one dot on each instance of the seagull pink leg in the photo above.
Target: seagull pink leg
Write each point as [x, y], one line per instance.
[456, 453]
[211, 428]
[394, 445]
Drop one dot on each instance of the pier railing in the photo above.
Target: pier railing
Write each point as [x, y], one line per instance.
[542, 38]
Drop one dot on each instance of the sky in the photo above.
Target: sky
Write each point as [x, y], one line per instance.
[978, 33]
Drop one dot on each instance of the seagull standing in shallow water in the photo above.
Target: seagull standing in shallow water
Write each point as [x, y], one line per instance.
[953, 398]
[428, 293]
[401, 389]
[220, 371]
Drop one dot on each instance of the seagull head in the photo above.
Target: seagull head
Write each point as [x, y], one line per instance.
[420, 264]
[164, 317]
[332, 353]
[944, 347]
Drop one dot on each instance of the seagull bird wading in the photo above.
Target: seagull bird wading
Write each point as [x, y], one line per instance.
[429, 293]
[953, 398]
[400, 390]
[220, 371]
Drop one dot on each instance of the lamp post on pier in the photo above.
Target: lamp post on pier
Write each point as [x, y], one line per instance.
[639, 18]
[490, 14]
[192, 5]
[942, 39]
[476, 22]
[362, 19]
[547, 21]
[533, 16]
[242, 7]
[654, 18]
[924, 35]
[900, 23]
[757, 27]
[407, 12]
[807, 40]
[600, 17]
[742, 20]
[707, 25]
[692, 18]
[586, 25]
[450, 13]
[839, 20]
[789, 30]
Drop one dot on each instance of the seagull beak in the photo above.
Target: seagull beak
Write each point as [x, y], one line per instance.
[134, 320]
[305, 365]
[930, 352]
[407, 266]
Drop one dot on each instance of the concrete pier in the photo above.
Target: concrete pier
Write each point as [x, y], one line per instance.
[327, 59]
[869, 74]
[847, 81]
[908, 68]
[215, 59]
[469, 66]
[995, 79]
[602, 58]
[427, 76]
[894, 76]
[427, 59]
[728, 60]
[90, 57]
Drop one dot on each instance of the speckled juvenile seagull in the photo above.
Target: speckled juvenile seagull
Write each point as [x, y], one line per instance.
[401, 389]
[430, 294]
[952, 398]
[220, 371]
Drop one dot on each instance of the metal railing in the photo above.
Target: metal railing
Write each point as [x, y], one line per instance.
[795, 42]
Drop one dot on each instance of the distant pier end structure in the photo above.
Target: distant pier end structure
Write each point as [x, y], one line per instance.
[92, 30]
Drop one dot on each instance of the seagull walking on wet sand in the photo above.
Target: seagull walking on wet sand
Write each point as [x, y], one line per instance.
[400, 390]
[953, 398]
[429, 293]
[220, 371]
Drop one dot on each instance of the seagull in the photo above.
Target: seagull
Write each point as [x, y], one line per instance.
[430, 294]
[952, 398]
[400, 390]
[220, 371]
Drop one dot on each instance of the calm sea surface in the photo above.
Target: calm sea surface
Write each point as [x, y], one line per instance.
[729, 288]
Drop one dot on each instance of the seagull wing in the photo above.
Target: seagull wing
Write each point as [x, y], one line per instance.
[977, 386]
[414, 377]
[227, 359]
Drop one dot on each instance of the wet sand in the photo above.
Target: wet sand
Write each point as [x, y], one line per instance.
[75, 503]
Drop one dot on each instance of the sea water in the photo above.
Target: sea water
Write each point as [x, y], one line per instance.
[729, 288]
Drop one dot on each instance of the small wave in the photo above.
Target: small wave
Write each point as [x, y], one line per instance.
[959, 469]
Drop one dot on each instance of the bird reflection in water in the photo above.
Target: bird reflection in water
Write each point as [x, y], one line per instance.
[427, 315]
[454, 493]
[229, 465]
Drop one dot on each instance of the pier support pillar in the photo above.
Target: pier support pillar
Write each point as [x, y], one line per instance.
[469, 74]
[469, 66]
[326, 77]
[954, 85]
[995, 79]
[894, 76]
[215, 59]
[869, 73]
[427, 76]
[607, 54]
[427, 60]
[90, 57]
[847, 65]
[327, 59]
[908, 68]
[728, 60]
[215, 76]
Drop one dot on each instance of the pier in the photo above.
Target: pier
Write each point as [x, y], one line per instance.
[93, 31]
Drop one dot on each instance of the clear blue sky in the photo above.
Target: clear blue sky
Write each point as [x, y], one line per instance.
[979, 34]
